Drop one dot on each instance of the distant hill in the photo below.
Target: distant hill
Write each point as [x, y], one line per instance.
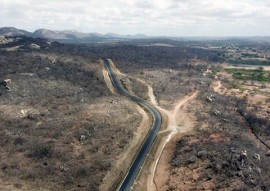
[137, 36]
[69, 36]
[44, 33]
[11, 31]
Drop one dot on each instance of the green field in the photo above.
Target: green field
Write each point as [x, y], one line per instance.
[250, 62]
[250, 74]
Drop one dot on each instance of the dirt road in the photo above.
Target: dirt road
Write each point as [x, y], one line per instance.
[179, 122]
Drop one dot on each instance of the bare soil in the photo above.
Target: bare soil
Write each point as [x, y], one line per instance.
[179, 122]
[207, 158]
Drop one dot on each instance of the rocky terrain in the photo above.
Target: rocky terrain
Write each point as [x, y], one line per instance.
[229, 148]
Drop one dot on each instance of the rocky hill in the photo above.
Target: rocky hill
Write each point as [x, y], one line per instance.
[68, 36]
[11, 31]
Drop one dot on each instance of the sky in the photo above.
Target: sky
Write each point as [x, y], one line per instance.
[150, 17]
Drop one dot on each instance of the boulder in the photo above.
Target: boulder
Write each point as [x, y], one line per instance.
[257, 156]
[217, 112]
[82, 138]
[6, 84]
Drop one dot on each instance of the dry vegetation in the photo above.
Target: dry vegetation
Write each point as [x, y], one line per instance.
[171, 71]
[229, 148]
[60, 127]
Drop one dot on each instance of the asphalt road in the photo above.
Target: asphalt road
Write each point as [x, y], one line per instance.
[137, 164]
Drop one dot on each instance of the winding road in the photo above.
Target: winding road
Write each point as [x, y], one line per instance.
[137, 164]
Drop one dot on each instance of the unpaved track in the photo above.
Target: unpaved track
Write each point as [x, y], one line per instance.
[178, 122]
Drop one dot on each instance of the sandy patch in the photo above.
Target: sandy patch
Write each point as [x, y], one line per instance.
[108, 81]
[257, 99]
[12, 49]
[217, 86]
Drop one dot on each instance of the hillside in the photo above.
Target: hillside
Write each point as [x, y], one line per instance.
[60, 125]
[68, 36]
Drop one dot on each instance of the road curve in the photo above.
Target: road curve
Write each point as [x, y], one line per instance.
[137, 164]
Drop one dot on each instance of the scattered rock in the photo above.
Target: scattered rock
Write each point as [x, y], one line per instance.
[6, 84]
[34, 46]
[63, 168]
[210, 98]
[267, 154]
[244, 153]
[113, 101]
[257, 156]
[82, 138]
[217, 112]
[23, 113]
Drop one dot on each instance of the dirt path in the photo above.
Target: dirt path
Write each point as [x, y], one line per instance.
[178, 122]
